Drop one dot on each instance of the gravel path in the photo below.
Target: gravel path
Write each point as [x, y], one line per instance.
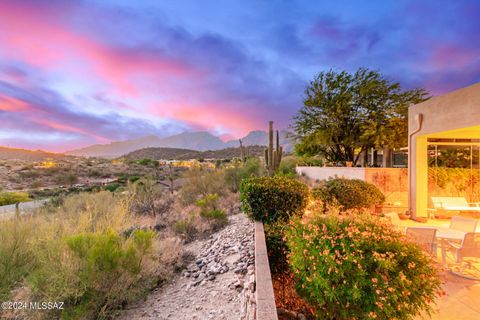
[214, 286]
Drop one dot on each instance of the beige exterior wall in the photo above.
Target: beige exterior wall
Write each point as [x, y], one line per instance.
[454, 115]
[324, 173]
[391, 181]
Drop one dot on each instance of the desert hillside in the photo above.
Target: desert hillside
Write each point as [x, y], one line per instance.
[186, 154]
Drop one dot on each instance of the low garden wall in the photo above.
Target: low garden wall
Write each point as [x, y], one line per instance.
[393, 182]
[264, 296]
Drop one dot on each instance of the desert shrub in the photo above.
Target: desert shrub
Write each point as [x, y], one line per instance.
[186, 228]
[172, 257]
[36, 184]
[349, 193]
[94, 273]
[269, 199]
[112, 187]
[148, 198]
[90, 212]
[50, 171]
[358, 268]
[197, 220]
[76, 252]
[29, 174]
[94, 173]
[148, 162]
[230, 203]
[200, 182]
[133, 179]
[209, 209]
[288, 166]
[311, 161]
[7, 198]
[16, 254]
[216, 214]
[67, 179]
[238, 171]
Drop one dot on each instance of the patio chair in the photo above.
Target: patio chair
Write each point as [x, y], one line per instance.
[459, 204]
[425, 237]
[468, 248]
[463, 224]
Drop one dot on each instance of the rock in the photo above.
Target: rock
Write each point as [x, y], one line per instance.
[201, 276]
[240, 270]
[221, 277]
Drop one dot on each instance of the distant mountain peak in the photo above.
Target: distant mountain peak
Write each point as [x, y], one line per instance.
[192, 140]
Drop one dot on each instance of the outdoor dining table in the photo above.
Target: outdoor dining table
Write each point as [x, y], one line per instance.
[445, 234]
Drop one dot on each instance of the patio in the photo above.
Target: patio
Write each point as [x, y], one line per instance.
[462, 296]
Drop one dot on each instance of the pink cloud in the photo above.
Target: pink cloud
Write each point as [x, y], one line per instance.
[12, 104]
[67, 128]
[38, 116]
[451, 56]
[39, 38]
[208, 116]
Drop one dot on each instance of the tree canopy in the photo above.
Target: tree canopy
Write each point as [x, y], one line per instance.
[344, 114]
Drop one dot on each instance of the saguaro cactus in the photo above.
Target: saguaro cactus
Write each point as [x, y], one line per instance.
[242, 151]
[272, 157]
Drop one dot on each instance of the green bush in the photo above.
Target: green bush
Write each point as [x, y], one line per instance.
[209, 210]
[269, 199]
[288, 166]
[112, 187]
[238, 171]
[133, 179]
[349, 193]
[96, 273]
[186, 228]
[215, 214]
[358, 268]
[7, 198]
[148, 162]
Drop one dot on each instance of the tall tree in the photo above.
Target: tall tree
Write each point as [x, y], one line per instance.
[345, 114]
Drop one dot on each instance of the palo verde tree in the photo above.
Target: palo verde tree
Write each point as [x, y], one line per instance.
[345, 114]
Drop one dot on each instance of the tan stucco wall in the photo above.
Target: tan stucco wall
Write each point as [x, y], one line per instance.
[454, 115]
[458, 109]
[391, 181]
[324, 173]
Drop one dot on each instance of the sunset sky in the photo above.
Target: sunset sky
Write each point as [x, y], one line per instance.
[75, 73]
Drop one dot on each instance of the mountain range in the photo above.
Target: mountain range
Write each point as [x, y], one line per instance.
[198, 141]
[29, 155]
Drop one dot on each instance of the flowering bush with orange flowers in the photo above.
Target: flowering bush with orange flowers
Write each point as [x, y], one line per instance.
[359, 268]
